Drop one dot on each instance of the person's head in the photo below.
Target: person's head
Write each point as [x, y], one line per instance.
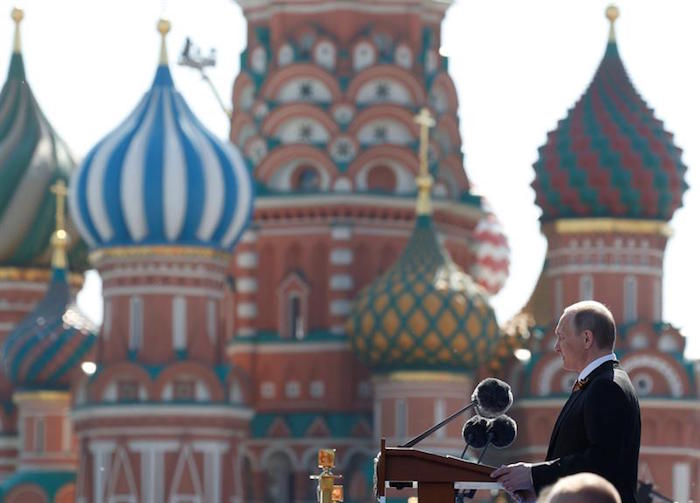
[581, 488]
[585, 331]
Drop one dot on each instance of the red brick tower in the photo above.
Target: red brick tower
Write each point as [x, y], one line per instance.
[162, 202]
[608, 180]
[323, 109]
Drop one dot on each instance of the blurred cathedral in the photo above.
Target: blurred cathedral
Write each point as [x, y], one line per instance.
[322, 279]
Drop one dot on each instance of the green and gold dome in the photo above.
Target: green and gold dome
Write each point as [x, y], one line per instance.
[424, 313]
[32, 158]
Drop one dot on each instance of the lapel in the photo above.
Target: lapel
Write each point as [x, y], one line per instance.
[568, 406]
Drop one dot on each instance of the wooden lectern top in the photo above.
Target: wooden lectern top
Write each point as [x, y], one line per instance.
[400, 464]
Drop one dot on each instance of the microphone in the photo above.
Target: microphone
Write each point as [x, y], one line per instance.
[475, 433]
[491, 398]
[502, 431]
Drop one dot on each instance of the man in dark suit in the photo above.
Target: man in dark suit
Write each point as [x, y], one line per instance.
[599, 428]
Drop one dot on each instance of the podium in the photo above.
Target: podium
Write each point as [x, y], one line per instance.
[437, 476]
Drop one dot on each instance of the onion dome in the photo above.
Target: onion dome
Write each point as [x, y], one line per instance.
[610, 157]
[423, 313]
[46, 347]
[161, 178]
[32, 158]
[492, 254]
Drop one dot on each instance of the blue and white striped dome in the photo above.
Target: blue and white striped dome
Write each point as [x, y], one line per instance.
[161, 178]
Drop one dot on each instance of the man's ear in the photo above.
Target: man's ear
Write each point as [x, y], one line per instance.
[588, 339]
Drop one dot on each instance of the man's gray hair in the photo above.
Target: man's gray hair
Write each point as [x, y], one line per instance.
[596, 317]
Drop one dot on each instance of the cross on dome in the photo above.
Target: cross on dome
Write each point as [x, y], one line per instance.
[424, 181]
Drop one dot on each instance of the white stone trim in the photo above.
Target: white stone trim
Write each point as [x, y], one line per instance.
[577, 269]
[246, 285]
[151, 431]
[245, 332]
[670, 451]
[249, 236]
[674, 381]
[302, 230]
[341, 256]
[305, 347]
[613, 252]
[339, 233]
[157, 410]
[681, 481]
[154, 445]
[247, 260]
[544, 386]
[341, 282]
[340, 307]
[9, 442]
[247, 310]
[189, 291]
[337, 329]
[161, 270]
[264, 10]
[39, 286]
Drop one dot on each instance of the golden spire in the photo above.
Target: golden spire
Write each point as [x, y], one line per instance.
[612, 13]
[17, 16]
[424, 181]
[163, 27]
[59, 239]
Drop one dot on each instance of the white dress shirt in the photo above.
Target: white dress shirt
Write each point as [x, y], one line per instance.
[595, 364]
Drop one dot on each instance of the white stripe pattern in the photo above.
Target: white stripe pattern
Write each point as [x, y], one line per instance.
[204, 194]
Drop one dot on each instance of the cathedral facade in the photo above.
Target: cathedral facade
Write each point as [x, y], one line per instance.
[322, 279]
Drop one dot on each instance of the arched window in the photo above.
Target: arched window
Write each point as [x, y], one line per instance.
[248, 487]
[135, 323]
[39, 435]
[657, 300]
[439, 415]
[381, 179]
[306, 179]
[296, 319]
[586, 287]
[211, 320]
[179, 319]
[630, 298]
[356, 473]
[279, 483]
[107, 323]
[400, 419]
[294, 300]
[558, 296]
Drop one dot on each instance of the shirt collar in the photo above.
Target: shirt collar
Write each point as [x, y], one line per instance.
[595, 364]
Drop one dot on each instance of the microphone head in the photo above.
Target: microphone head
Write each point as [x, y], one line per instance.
[502, 431]
[492, 397]
[475, 432]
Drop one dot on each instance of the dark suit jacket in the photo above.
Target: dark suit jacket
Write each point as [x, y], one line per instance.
[598, 431]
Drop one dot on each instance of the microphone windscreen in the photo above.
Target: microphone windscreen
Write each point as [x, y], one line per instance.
[475, 432]
[492, 397]
[503, 431]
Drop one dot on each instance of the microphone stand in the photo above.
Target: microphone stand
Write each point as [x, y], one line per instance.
[433, 429]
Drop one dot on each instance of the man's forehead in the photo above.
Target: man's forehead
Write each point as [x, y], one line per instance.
[564, 322]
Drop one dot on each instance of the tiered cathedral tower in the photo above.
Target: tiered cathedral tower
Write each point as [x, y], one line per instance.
[608, 180]
[324, 111]
[32, 158]
[161, 201]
